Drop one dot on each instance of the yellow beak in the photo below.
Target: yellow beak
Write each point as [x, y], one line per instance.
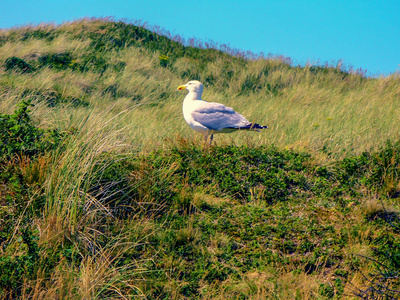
[181, 87]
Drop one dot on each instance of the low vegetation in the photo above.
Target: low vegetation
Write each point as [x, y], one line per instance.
[106, 193]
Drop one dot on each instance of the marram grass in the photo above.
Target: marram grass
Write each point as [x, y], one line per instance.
[124, 200]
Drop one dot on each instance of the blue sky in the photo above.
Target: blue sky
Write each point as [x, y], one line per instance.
[363, 34]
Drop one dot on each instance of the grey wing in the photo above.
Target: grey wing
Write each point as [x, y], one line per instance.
[216, 116]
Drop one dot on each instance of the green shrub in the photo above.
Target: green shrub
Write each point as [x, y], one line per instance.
[16, 268]
[327, 290]
[164, 61]
[18, 65]
[58, 61]
[18, 134]
[379, 170]
[48, 34]
[385, 167]
[233, 171]
[94, 61]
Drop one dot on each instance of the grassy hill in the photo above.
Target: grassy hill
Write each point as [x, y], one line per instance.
[107, 193]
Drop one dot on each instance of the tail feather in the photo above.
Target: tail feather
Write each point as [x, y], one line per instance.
[250, 126]
[253, 126]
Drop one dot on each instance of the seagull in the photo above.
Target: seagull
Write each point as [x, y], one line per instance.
[209, 118]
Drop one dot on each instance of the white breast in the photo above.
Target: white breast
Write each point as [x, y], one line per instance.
[189, 104]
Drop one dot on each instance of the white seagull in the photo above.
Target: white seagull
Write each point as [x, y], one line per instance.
[210, 117]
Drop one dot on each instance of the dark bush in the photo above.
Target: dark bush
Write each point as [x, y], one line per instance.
[379, 170]
[16, 268]
[48, 35]
[94, 62]
[18, 65]
[58, 61]
[18, 134]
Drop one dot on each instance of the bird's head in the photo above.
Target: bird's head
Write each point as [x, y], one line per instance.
[192, 86]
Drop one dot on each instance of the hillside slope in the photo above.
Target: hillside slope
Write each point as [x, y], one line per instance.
[99, 62]
[106, 192]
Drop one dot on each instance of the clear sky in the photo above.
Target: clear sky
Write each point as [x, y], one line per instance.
[364, 34]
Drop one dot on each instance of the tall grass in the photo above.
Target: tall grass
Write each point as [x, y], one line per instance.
[72, 168]
[311, 107]
[131, 204]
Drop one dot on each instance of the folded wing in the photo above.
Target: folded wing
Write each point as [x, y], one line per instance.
[219, 117]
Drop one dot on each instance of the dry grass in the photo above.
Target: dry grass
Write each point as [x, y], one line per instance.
[136, 110]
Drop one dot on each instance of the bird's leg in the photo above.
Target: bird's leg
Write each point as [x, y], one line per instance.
[205, 138]
[211, 139]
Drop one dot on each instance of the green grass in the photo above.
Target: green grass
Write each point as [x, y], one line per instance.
[106, 192]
